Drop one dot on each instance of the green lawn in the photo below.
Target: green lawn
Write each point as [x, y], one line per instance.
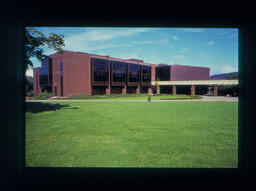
[132, 134]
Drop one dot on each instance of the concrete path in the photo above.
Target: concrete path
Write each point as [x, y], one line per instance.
[205, 98]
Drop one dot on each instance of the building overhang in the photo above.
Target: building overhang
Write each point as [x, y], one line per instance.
[197, 82]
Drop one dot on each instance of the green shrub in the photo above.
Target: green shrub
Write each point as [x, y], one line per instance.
[44, 96]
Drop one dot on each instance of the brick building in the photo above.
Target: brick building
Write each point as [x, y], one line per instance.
[181, 73]
[72, 73]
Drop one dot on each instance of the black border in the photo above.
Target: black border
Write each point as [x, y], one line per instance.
[14, 175]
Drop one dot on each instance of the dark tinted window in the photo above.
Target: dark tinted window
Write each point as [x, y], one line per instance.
[61, 68]
[43, 72]
[163, 73]
[146, 73]
[100, 69]
[118, 71]
[134, 72]
[50, 71]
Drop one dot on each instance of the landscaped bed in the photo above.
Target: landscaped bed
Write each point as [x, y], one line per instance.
[129, 97]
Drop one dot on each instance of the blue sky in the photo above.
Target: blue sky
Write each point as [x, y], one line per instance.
[216, 48]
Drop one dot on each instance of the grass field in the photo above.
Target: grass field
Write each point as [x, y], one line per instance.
[130, 134]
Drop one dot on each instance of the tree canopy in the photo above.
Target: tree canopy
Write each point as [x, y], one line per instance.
[35, 42]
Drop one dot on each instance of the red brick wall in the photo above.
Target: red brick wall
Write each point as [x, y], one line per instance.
[36, 83]
[76, 73]
[153, 71]
[179, 72]
[56, 59]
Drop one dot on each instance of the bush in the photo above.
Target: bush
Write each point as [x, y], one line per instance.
[44, 96]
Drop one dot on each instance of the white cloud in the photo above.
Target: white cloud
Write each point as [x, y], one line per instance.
[185, 49]
[97, 39]
[143, 42]
[211, 42]
[192, 30]
[170, 46]
[175, 37]
[223, 32]
[222, 67]
[29, 72]
[172, 37]
[179, 56]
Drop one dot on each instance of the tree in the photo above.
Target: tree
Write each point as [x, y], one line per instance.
[35, 41]
[232, 77]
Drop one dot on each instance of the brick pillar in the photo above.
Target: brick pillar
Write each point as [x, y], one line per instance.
[36, 85]
[173, 90]
[124, 90]
[138, 90]
[108, 90]
[192, 90]
[215, 90]
[150, 91]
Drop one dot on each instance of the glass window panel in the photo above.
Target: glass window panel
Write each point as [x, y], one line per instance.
[43, 72]
[100, 68]
[134, 72]
[118, 71]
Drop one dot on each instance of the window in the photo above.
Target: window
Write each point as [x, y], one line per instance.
[100, 70]
[50, 71]
[61, 68]
[43, 72]
[134, 72]
[118, 71]
[163, 73]
[146, 73]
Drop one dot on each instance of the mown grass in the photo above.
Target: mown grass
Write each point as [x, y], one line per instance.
[144, 134]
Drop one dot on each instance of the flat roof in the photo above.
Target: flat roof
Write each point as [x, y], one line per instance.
[198, 82]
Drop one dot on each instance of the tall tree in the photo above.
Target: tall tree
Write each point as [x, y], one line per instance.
[35, 42]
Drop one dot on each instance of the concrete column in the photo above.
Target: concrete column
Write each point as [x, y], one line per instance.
[138, 90]
[192, 89]
[124, 90]
[150, 91]
[215, 90]
[173, 90]
[158, 90]
[108, 90]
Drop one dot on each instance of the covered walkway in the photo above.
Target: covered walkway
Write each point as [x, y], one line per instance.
[185, 85]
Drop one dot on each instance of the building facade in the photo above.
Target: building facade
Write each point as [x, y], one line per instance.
[73, 73]
[181, 73]
[225, 76]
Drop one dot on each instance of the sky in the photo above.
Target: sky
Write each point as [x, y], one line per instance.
[216, 48]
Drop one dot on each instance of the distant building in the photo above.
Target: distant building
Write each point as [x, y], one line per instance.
[225, 76]
[181, 73]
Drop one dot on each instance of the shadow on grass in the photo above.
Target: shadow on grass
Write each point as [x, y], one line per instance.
[36, 107]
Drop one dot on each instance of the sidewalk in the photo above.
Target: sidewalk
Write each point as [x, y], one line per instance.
[205, 98]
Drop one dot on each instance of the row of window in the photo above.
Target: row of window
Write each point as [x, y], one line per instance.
[100, 71]
[119, 70]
